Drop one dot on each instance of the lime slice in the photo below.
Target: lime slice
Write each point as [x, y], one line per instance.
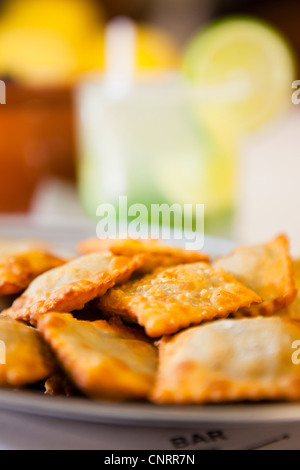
[248, 61]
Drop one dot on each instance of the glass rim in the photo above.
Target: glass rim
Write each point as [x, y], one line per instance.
[165, 86]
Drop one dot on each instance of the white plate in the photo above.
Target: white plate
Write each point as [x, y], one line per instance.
[142, 414]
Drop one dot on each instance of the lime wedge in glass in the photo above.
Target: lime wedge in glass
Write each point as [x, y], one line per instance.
[250, 60]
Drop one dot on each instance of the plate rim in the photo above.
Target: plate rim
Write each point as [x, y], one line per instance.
[146, 414]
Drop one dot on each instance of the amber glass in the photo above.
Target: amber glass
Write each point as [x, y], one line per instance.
[36, 140]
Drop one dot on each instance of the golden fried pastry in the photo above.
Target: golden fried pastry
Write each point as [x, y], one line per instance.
[21, 261]
[155, 253]
[229, 360]
[103, 360]
[27, 359]
[267, 270]
[294, 307]
[18, 271]
[176, 297]
[72, 285]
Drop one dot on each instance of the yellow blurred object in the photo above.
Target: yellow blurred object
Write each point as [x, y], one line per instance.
[43, 42]
[156, 50]
[45, 58]
[53, 41]
[69, 17]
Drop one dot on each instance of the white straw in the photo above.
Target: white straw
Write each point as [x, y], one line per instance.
[120, 52]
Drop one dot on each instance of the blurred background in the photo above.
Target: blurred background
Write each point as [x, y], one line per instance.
[154, 100]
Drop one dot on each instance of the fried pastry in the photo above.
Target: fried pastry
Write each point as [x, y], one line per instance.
[155, 253]
[18, 271]
[177, 297]
[229, 360]
[267, 270]
[104, 360]
[22, 261]
[27, 359]
[294, 307]
[72, 285]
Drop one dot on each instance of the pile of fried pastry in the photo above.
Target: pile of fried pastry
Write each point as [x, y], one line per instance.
[132, 319]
